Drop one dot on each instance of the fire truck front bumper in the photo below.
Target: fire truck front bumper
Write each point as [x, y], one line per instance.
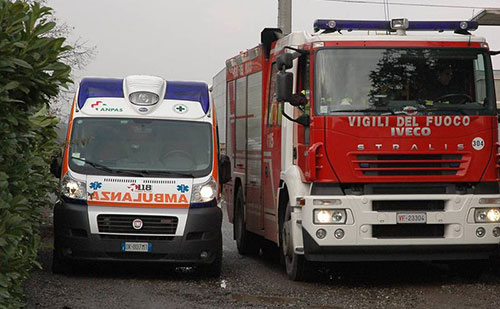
[398, 227]
[75, 240]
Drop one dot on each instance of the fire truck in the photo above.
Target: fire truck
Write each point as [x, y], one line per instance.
[365, 141]
[140, 175]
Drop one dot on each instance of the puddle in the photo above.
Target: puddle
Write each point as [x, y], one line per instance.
[264, 299]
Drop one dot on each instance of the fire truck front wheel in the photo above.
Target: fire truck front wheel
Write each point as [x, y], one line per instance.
[297, 268]
[246, 242]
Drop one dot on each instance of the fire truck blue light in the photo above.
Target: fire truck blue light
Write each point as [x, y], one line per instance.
[333, 24]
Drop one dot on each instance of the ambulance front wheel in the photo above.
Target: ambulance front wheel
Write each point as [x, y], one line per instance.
[246, 242]
[296, 266]
[213, 269]
[60, 266]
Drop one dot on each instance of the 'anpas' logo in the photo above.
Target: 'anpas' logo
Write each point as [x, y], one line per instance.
[100, 106]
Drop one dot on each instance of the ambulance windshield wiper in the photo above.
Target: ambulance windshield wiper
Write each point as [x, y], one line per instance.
[107, 169]
[95, 165]
[167, 173]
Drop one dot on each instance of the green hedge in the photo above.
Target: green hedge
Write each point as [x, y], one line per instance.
[31, 74]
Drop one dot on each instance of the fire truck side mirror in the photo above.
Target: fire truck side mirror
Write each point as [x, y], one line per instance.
[284, 86]
[285, 61]
[225, 169]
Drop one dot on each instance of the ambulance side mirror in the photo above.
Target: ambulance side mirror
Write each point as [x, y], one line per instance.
[56, 166]
[284, 86]
[224, 169]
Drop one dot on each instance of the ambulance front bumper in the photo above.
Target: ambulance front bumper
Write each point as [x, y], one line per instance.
[373, 230]
[199, 243]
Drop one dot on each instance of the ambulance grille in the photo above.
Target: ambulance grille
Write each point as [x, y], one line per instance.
[410, 164]
[123, 224]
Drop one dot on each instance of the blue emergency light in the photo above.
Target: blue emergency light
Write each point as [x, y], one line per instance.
[113, 88]
[189, 91]
[99, 88]
[393, 25]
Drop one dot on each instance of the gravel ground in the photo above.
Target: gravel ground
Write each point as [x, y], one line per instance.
[258, 282]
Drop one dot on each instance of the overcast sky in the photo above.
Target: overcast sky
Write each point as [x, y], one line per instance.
[191, 39]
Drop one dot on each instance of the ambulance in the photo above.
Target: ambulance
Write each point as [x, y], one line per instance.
[140, 175]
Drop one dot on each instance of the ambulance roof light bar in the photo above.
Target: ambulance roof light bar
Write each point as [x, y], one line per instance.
[332, 25]
[113, 88]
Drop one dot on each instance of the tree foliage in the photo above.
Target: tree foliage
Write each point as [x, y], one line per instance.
[31, 74]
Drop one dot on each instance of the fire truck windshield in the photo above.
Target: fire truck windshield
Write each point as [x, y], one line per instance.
[153, 148]
[424, 80]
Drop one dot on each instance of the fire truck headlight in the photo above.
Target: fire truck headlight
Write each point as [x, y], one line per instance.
[485, 215]
[144, 98]
[204, 192]
[329, 216]
[73, 188]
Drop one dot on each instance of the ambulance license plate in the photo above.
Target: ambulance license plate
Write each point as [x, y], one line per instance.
[137, 247]
[409, 217]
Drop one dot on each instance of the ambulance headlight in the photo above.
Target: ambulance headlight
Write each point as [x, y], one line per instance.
[204, 192]
[144, 98]
[329, 216]
[73, 188]
[485, 215]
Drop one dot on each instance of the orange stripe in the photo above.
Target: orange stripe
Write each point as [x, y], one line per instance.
[100, 203]
[215, 172]
[65, 166]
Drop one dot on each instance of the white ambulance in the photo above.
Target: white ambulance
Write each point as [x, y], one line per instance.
[140, 175]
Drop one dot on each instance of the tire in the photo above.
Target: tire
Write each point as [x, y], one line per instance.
[60, 266]
[469, 269]
[246, 242]
[212, 270]
[297, 267]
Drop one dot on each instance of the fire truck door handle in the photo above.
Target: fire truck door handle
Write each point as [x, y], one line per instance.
[266, 171]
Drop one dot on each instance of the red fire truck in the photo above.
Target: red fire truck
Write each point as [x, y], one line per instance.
[371, 145]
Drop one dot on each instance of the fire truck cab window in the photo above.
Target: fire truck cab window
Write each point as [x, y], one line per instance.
[390, 80]
[274, 108]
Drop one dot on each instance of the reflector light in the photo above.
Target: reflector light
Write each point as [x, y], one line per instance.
[381, 25]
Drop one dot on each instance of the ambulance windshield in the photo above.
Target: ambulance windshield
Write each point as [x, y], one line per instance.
[423, 80]
[147, 147]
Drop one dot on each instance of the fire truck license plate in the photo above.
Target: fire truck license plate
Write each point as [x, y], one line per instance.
[411, 217]
[137, 247]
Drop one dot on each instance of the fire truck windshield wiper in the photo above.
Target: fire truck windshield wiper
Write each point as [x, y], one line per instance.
[384, 110]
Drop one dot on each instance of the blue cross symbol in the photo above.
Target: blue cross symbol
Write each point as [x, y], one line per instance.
[95, 185]
[182, 188]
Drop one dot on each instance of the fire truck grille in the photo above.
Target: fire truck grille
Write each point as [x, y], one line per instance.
[123, 224]
[408, 231]
[410, 164]
[408, 205]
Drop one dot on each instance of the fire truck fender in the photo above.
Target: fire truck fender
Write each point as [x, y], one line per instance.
[292, 179]
[239, 181]
[293, 186]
